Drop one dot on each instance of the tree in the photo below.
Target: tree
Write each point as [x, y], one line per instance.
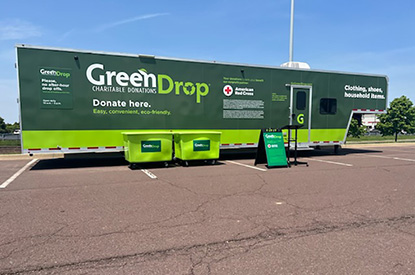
[7, 127]
[399, 118]
[10, 128]
[356, 130]
[2, 126]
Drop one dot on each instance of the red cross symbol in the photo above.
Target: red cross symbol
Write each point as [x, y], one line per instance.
[227, 90]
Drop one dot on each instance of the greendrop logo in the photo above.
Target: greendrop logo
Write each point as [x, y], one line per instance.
[54, 73]
[201, 145]
[163, 83]
[151, 146]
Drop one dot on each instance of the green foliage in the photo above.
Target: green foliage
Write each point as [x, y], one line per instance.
[355, 130]
[7, 127]
[399, 118]
[12, 127]
[2, 126]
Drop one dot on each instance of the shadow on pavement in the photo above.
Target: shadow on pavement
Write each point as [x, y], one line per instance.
[251, 153]
[82, 161]
[108, 160]
[340, 152]
[117, 159]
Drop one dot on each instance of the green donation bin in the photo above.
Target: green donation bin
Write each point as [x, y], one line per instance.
[197, 145]
[142, 147]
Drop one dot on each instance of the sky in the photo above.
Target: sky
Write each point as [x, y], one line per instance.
[364, 36]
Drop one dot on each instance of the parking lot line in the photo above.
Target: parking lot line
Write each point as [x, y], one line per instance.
[405, 159]
[246, 165]
[148, 173]
[18, 173]
[331, 162]
[376, 156]
[390, 157]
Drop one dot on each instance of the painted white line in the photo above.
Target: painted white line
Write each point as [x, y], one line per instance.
[18, 173]
[374, 156]
[395, 158]
[332, 162]
[405, 159]
[246, 165]
[148, 173]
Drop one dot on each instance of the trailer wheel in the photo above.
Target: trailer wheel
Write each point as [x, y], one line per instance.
[336, 149]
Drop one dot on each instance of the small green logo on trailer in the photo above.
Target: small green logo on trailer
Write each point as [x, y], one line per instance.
[300, 118]
[150, 146]
[201, 145]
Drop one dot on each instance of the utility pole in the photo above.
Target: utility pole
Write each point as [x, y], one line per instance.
[291, 31]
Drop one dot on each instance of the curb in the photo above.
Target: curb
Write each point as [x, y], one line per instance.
[379, 144]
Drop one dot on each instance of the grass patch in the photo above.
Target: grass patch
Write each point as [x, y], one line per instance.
[401, 138]
[8, 142]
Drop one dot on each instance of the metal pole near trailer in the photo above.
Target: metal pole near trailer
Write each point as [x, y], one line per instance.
[291, 31]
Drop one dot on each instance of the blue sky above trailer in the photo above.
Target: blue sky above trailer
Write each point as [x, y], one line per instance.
[370, 36]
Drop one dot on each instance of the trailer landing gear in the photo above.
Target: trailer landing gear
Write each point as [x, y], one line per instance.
[336, 149]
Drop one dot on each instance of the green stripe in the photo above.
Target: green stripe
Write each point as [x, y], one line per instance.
[102, 138]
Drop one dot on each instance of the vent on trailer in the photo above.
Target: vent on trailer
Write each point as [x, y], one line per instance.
[296, 65]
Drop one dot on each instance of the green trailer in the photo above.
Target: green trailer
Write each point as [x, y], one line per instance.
[75, 101]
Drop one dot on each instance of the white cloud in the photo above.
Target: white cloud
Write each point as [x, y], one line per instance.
[18, 29]
[105, 27]
[66, 35]
[129, 20]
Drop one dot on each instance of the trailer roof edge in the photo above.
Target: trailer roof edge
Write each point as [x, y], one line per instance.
[193, 60]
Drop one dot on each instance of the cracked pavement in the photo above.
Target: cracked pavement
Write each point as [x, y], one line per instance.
[68, 216]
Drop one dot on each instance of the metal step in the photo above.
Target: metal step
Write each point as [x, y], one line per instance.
[302, 148]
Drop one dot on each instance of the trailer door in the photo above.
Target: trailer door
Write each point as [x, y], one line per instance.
[300, 109]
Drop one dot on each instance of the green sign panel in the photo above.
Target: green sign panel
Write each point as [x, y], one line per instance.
[201, 145]
[275, 149]
[150, 146]
[55, 88]
[271, 149]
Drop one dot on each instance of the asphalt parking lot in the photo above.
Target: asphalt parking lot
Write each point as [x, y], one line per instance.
[351, 213]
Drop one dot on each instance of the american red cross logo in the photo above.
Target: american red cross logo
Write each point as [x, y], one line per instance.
[228, 90]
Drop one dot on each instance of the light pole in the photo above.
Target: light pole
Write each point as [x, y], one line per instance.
[291, 31]
[291, 63]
